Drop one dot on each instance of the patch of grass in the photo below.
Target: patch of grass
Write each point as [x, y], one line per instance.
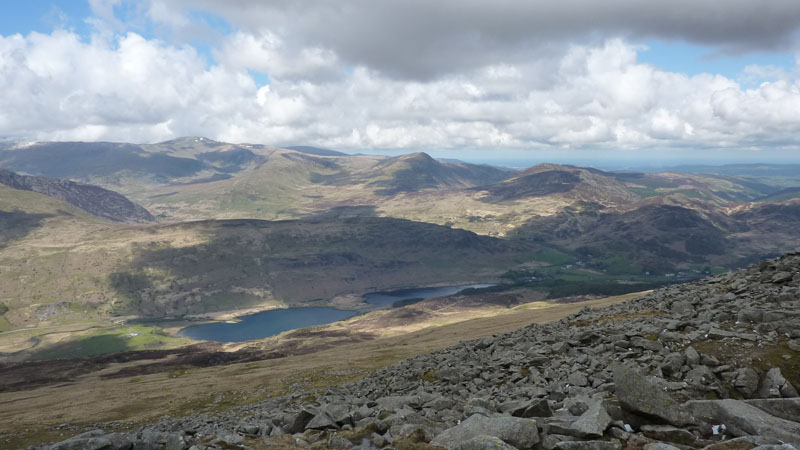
[4, 324]
[81, 348]
[414, 441]
[431, 376]
[553, 257]
[177, 372]
[618, 264]
[762, 359]
[773, 357]
[357, 435]
[110, 340]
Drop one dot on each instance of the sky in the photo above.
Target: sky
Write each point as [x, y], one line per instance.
[689, 80]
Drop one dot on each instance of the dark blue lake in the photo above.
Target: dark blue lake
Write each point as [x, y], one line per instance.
[387, 298]
[276, 321]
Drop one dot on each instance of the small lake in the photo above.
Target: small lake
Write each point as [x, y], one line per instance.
[381, 299]
[276, 321]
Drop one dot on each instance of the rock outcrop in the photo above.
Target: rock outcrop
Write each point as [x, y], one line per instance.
[713, 364]
[99, 202]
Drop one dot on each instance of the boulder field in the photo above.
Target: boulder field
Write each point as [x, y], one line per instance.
[713, 364]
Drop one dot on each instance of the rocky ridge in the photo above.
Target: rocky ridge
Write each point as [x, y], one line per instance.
[713, 364]
[99, 202]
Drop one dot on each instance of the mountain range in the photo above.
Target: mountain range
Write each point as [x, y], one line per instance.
[108, 249]
[240, 226]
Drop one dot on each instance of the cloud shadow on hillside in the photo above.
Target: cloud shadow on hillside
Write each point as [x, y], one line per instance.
[15, 225]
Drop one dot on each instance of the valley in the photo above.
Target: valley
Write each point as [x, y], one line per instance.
[105, 289]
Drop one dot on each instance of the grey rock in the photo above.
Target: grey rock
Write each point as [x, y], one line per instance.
[230, 438]
[746, 381]
[379, 440]
[785, 408]
[647, 344]
[775, 385]
[577, 405]
[588, 445]
[339, 443]
[538, 407]
[640, 394]
[672, 364]
[668, 433]
[321, 421]
[550, 440]
[743, 419]
[782, 277]
[395, 402]
[86, 443]
[519, 432]
[485, 442]
[682, 308]
[700, 376]
[692, 356]
[577, 379]
[716, 333]
[742, 443]
[297, 422]
[175, 442]
[659, 446]
[593, 423]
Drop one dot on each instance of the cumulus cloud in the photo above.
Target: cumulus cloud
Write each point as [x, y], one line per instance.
[326, 91]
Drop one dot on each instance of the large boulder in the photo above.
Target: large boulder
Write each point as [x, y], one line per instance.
[743, 419]
[592, 423]
[297, 421]
[647, 395]
[776, 386]
[96, 441]
[516, 431]
[785, 408]
[746, 381]
[484, 442]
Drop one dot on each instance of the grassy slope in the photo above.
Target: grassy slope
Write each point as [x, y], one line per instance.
[65, 267]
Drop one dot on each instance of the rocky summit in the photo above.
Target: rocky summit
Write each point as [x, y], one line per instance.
[713, 364]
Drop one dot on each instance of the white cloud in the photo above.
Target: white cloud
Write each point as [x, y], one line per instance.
[57, 86]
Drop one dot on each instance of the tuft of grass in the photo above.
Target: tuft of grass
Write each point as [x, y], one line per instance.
[774, 357]
[431, 376]
[357, 435]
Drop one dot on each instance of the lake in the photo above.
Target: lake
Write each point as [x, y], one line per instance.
[276, 321]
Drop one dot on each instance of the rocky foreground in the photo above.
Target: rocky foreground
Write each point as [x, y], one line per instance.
[713, 364]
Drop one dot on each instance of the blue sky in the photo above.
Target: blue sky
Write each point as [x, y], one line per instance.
[493, 81]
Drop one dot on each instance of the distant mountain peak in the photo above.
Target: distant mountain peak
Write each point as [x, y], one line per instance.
[190, 140]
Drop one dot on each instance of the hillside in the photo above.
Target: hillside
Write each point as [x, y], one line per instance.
[712, 363]
[67, 269]
[195, 178]
[668, 234]
[99, 202]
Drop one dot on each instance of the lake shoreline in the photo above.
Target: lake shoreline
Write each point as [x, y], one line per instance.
[346, 303]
